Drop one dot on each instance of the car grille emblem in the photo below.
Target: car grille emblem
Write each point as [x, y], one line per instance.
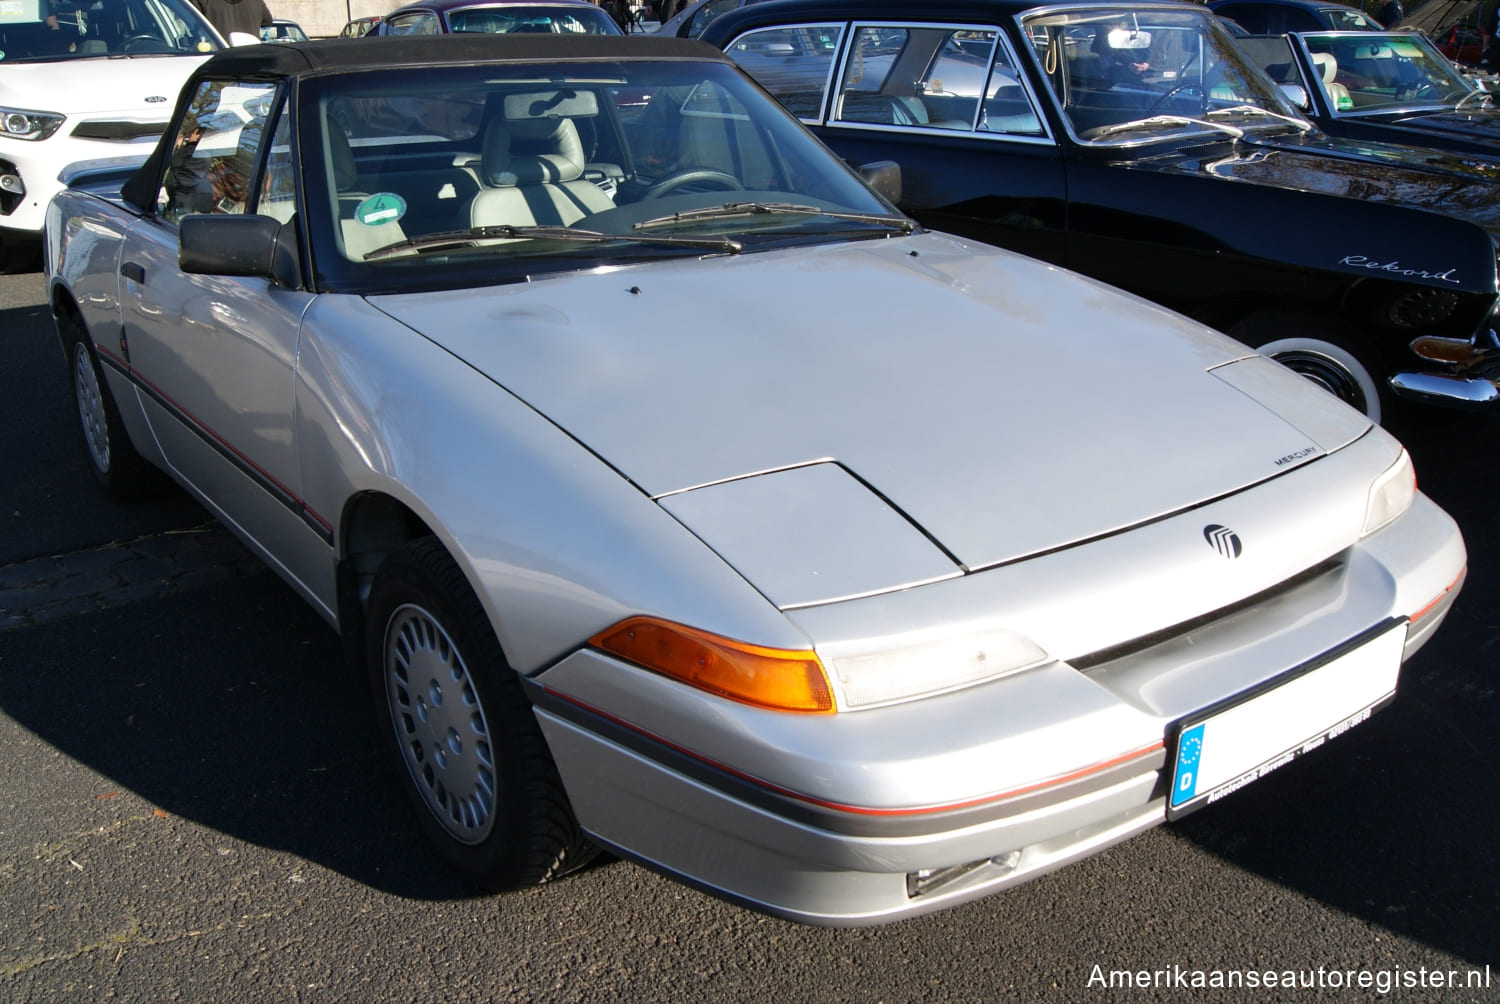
[1223, 540]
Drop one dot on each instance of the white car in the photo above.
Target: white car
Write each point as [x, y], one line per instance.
[677, 495]
[90, 81]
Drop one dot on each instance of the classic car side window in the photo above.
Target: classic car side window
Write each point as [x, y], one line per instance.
[215, 149]
[1008, 104]
[956, 78]
[423, 23]
[795, 64]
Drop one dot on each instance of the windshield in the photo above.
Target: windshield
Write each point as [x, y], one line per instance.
[91, 28]
[535, 20]
[1131, 75]
[494, 173]
[1382, 72]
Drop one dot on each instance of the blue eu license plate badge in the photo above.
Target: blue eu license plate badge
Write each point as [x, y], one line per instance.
[1221, 749]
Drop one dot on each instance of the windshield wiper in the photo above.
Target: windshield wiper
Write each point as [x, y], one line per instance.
[1301, 125]
[1156, 121]
[462, 238]
[731, 210]
[1474, 93]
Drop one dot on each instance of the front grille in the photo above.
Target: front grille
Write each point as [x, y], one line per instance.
[1135, 646]
[118, 131]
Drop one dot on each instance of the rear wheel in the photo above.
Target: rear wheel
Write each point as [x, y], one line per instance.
[1324, 353]
[115, 464]
[471, 755]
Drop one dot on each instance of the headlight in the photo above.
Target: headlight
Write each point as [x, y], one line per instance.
[17, 124]
[935, 667]
[1391, 494]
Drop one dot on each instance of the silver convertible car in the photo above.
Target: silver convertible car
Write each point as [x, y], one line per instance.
[679, 496]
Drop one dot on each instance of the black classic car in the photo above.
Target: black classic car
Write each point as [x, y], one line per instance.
[1136, 143]
[1389, 87]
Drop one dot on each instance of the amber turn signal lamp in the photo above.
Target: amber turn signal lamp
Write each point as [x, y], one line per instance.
[775, 678]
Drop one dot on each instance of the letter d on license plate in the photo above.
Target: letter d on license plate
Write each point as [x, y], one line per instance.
[1221, 749]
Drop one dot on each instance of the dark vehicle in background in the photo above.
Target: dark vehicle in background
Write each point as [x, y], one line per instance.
[1277, 17]
[498, 17]
[1136, 143]
[1389, 87]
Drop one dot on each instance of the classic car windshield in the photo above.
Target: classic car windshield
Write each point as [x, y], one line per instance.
[84, 29]
[1123, 75]
[1386, 71]
[531, 167]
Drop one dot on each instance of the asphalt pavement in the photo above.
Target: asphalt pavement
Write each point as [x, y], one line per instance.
[192, 808]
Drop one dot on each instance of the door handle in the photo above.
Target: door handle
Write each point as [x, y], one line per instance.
[135, 273]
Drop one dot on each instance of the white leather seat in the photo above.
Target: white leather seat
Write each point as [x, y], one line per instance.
[360, 237]
[1328, 68]
[532, 168]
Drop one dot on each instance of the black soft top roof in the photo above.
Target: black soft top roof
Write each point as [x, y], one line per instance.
[335, 54]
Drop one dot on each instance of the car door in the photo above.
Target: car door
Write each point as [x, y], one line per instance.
[214, 356]
[945, 101]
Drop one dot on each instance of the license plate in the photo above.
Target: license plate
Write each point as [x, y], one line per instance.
[1221, 749]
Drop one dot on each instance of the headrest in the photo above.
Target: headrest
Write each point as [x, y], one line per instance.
[563, 104]
[531, 152]
[342, 156]
[1327, 65]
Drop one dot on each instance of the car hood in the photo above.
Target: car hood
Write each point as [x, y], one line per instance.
[1000, 406]
[1453, 184]
[136, 88]
[1474, 123]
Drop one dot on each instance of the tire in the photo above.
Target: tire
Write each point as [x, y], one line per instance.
[17, 257]
[467, 745]
[113, 460]
[1324, 354]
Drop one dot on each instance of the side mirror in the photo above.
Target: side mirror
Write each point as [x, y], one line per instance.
[237, 244]
[1297, 95]
[885, 177]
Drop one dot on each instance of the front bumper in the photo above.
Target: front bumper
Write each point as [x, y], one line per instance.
[1471, 380]
[38, 168]
[869, 816]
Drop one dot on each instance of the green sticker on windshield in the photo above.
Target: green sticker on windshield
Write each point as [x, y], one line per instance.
[1406, 49]
[382, 207]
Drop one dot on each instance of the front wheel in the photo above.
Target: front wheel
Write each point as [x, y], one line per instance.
[115, 464]
[1324, 357]
[470, 752]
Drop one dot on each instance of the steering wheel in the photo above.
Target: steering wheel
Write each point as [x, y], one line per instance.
[144, 43]
[693, 176]
[1171, 93]
[1417, 89]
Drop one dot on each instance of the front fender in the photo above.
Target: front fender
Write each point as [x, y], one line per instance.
[557, 544]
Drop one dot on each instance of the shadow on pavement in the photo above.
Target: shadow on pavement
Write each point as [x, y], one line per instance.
[227, 706]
